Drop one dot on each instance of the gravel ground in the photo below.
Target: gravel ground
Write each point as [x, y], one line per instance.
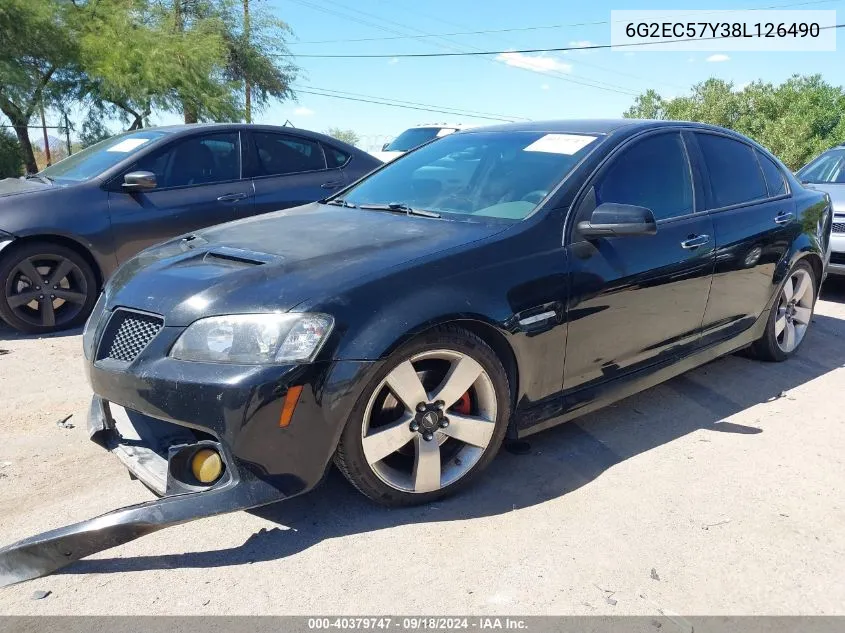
[719, 492]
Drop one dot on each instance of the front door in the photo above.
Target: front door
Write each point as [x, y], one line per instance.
[638, 300]
[198, 184]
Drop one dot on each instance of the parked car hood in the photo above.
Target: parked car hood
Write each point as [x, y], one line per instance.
[836, 192]
[14, 186]
[274, 262]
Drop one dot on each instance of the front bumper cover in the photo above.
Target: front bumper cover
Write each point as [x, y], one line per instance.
[233, 410]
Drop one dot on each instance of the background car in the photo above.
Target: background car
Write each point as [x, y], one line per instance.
[827, 173]
[414, 137]
[64, 230]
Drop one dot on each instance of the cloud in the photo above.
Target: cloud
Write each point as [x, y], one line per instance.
[691, 60]
[544, 87]
[303, 111]
[628, 54]
[393, 60]
[539, 63]
[719, 57]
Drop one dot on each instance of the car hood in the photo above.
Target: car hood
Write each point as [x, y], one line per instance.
[274, 262]
[14, 186]
[836, 192]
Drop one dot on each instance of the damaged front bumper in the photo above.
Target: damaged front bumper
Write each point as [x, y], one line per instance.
[233, 411]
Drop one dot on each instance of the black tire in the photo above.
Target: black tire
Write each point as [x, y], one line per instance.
[82, 283]
[349, 456]
[766, 348]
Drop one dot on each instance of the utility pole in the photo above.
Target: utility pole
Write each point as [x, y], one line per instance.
[44, 128]
[67, 135]
[247, 85]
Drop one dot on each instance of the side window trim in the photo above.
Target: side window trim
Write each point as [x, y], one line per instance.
[115, 183]
[706, 173]
[788, 190]
[325, 155]
[606, 163]
[257, 176]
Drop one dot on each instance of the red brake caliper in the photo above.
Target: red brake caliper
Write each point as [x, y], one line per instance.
[463, 405]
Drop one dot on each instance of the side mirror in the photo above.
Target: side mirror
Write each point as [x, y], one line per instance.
[611, 219]
[385, 146]
[139, 181]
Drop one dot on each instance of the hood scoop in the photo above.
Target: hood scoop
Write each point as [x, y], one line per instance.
[223, 255]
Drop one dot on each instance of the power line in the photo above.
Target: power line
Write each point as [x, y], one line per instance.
[522, 51]
[397, 105]
[457, 111]
[553, 73]
[537, 28]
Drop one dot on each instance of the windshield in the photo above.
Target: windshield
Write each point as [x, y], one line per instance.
[827, 168]
[94, 160]
[416, 136]
[490, 174]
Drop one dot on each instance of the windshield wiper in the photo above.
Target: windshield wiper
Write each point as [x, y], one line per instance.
[402, 208]
[340, 202]
[45, 179]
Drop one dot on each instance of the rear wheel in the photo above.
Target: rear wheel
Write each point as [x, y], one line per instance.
[45, 288]
[430, 420]
[790, 316]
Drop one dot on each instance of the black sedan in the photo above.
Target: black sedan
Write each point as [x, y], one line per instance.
[65, 230]
[492, 283]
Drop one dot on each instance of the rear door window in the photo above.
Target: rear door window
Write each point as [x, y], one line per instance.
[775, 181]
[280, 154]
[334, 157]
[735, 174]
[653, 173]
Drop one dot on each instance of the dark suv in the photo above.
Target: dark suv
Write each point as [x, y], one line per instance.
[64, 230]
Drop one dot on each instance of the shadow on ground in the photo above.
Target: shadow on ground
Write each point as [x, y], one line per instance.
[833, 289]
[561, 459]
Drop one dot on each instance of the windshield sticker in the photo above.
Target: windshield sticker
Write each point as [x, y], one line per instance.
[560, 143]
[445, 132]
[127, 145]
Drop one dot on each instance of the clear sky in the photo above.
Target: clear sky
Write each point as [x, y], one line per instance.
[549, 86]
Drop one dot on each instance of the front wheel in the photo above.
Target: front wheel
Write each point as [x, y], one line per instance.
[790, 316]
[45, 287]
[429, 421]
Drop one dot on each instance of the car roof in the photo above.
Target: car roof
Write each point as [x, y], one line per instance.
[188, 128]
[592, 126]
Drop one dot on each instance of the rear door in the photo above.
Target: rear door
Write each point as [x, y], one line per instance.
[639, 300]
[289, 170]
[754, 222]
[198, 184]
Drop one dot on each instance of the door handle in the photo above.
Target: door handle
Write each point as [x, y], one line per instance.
[232, 197]
[334, 184]
[784, 217]
[695, 242]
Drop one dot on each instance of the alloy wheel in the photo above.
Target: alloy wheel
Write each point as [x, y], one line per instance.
[795, 308]
[46, 290]
[429, 421]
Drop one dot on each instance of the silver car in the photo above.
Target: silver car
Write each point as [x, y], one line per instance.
[827, 173]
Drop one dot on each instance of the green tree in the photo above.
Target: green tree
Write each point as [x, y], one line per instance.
[796, 120]
[347, 136]
[37, 47]
[11, 164]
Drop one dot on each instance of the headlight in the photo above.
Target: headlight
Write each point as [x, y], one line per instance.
[254, 339]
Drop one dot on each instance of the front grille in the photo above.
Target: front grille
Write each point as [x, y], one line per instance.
[127, 334]
[837, 258]
[839, 227]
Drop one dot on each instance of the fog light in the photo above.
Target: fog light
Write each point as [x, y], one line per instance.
[206, 465]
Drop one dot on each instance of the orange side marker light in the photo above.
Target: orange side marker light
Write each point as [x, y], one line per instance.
[291, 400]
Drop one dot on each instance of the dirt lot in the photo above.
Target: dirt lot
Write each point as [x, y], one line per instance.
[720, 492]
